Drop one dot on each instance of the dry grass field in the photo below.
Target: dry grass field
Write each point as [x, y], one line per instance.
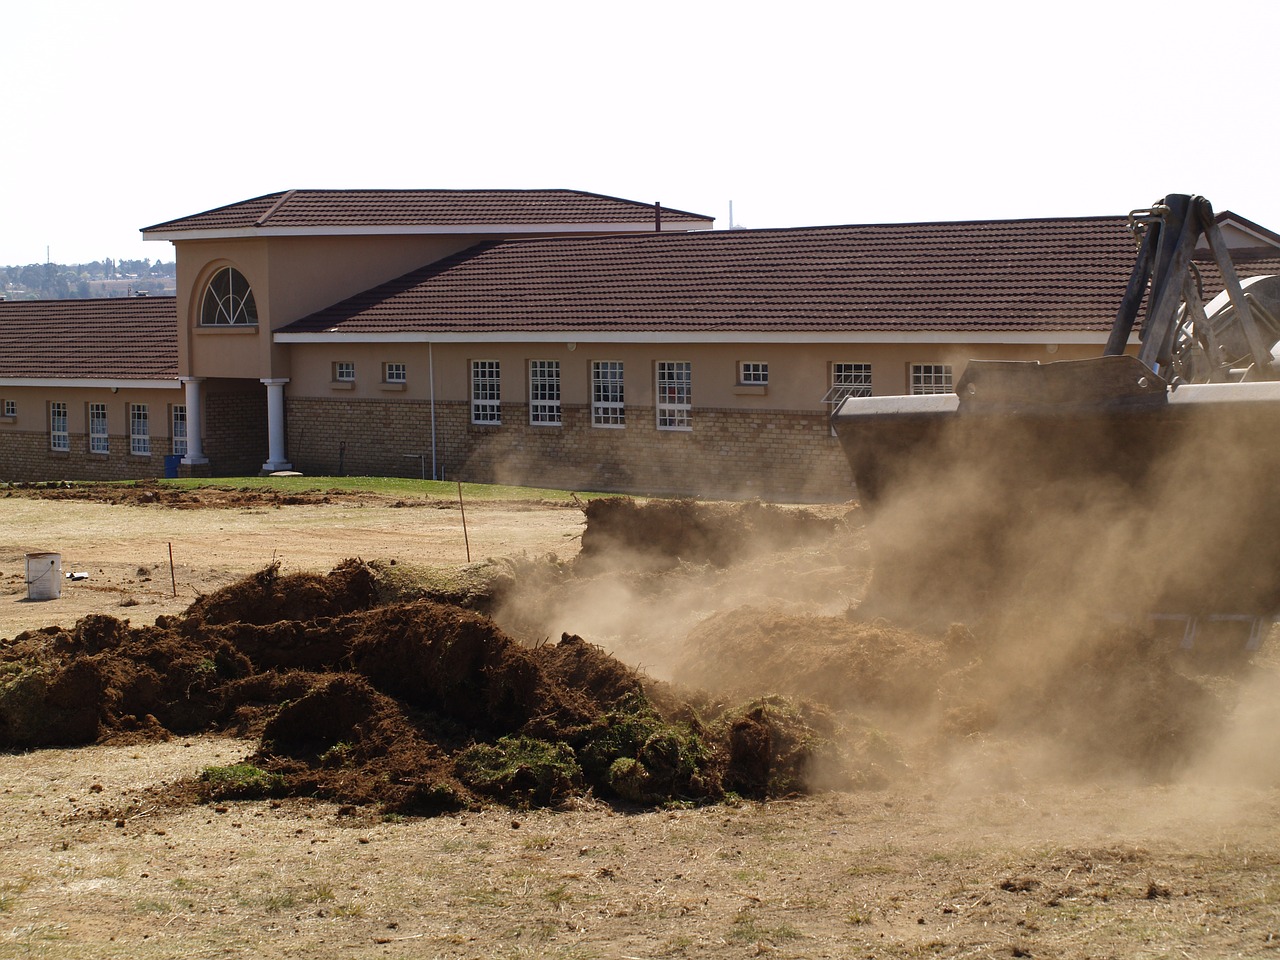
[979, 852]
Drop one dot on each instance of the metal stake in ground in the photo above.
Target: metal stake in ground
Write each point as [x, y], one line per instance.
[465, 539]
[172, 576]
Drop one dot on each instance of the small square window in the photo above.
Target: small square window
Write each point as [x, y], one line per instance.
[753, 374]
[344, 371]
[394, 373]
[11, 408]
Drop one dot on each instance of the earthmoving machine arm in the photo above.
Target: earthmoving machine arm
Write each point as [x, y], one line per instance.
[1180, 341]
[1170, 232]
[1056, 466]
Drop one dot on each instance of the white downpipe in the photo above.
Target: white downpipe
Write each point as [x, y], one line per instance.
[431, 385]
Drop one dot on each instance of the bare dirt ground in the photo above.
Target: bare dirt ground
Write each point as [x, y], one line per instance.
[972, 850]
[121, 539]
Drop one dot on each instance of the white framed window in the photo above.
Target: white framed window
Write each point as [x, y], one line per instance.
[674, 383]
[486, 392]
[228, 301]
[139, 430]
[753, 374]
[178, 434]
[544, 392]
[344, 371]
[848, 380]
[99, 441]
[607, 408]
[927, 378]
[59, 438]
[11, 408]
[391, 373]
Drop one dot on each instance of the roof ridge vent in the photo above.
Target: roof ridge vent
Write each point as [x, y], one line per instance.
[274, 207]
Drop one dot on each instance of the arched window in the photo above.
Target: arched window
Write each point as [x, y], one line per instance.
[228, 300]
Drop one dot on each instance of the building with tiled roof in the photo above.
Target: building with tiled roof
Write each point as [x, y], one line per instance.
[408, 212]
[561, 338]
[124, 341]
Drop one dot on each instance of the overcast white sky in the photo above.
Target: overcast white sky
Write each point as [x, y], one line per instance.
[124, 114]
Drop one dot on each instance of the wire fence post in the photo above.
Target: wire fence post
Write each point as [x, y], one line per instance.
[465, 538]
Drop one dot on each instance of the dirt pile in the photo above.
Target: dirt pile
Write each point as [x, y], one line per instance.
[746, 601]
[416, 706]
[1115, 699]
[150, 493]
[663, 532]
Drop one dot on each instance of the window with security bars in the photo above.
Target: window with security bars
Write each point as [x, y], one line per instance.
[607, 409]
[59, 438]
[344, 371]
[753, 374]
[486, 392]
[139, 430]
[391, 373]
[675, 394]
[928, 378]
[848, 380]
[544, 392]
[178, 417]
[99, 441]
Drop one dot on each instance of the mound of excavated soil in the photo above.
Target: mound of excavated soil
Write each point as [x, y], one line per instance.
[417, 706]
[1112, 699]
[661, 532]
[150, 493]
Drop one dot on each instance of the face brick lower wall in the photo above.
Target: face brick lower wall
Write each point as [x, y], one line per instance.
[25, 456]
[775, 455]
[235, 432]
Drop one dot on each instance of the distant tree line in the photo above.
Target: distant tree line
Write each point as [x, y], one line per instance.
[81, 281]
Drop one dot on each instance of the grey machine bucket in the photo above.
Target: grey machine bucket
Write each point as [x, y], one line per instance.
[1071, 487]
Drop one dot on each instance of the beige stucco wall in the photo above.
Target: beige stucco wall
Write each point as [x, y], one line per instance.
[291, 277]
[799, 374]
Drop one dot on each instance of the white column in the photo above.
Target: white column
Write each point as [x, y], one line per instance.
[195, 421]
[275, 425]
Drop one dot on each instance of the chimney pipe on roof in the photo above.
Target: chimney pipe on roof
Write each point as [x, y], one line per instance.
[657, 216]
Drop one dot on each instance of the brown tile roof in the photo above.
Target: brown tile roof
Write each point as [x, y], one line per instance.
[123, 338]
[347, 209]
[1023, 275]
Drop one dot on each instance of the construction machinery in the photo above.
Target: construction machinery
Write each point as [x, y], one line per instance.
[1141, 484]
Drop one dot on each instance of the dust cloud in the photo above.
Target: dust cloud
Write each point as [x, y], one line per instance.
[986, 617]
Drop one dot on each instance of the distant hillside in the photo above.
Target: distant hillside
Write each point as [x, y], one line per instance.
[82, 281]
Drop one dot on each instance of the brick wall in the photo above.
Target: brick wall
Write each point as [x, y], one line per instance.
[778, 455]
[235, 432]
[25, 455]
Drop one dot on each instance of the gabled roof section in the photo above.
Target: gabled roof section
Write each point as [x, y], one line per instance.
[1028, 276]
[124, 338]
[353, 212]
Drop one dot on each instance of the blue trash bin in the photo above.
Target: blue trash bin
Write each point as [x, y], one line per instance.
[172, 463]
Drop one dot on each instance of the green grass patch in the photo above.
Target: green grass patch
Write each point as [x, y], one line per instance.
[642, 758]
[240, 781]
[522, 769]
